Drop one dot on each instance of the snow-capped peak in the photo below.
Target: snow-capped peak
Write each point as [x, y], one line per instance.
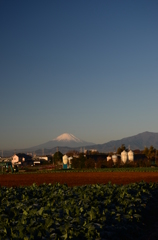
[66, 137]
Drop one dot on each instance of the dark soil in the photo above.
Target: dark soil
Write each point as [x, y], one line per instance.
[76, 178]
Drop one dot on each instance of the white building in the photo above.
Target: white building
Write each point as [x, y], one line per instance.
[42, 158]
[108, 158]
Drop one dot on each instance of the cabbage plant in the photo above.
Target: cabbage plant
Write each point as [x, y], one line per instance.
[85, 212]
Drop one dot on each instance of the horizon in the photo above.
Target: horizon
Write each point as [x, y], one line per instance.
[25, 148]
[88, 68]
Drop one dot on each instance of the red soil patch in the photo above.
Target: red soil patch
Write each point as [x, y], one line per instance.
[77, 179]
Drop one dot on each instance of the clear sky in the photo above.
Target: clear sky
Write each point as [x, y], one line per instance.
[89, 68]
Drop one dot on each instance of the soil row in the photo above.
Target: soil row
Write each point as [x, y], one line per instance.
[77, 179]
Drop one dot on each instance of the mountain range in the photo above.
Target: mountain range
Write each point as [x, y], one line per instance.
[139, 141]
[67, 142]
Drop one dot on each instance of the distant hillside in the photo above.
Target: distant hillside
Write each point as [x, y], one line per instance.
[138, 141]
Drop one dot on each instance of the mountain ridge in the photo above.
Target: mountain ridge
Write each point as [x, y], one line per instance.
[138, 141]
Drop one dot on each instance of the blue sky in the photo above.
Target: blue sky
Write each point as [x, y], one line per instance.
[89, 68]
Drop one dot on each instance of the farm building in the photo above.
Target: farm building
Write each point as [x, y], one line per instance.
[42, 158]
[22, 159]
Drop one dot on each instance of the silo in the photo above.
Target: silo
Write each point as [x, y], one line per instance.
[124, 156]
[108, 158]
[131, 156]
[65, 160]
[114, 158]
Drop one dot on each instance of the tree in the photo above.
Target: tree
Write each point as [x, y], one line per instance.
[79, 162]
[146, 151]
[109, 163]
[101, 162]
[82, 160]
[72, 153]
[75, 163]
[121, 149]
[90, 163]
[57, 157]
[150, 152]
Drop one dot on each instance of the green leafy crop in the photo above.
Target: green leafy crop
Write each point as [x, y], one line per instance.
[61, 212]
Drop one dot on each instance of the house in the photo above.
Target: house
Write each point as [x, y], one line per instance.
[42, 158]
[45, 158]
[22, 159]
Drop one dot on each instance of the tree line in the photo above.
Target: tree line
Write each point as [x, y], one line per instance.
[146, 158]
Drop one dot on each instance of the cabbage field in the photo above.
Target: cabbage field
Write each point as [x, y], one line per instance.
[84, 212]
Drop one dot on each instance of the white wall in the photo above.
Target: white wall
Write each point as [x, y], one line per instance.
[43, 158]
[15, 159]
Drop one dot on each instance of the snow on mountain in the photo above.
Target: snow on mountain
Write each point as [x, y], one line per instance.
[66, 137]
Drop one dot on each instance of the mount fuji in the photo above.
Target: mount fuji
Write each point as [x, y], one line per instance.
[66, 137]
[64, 140]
